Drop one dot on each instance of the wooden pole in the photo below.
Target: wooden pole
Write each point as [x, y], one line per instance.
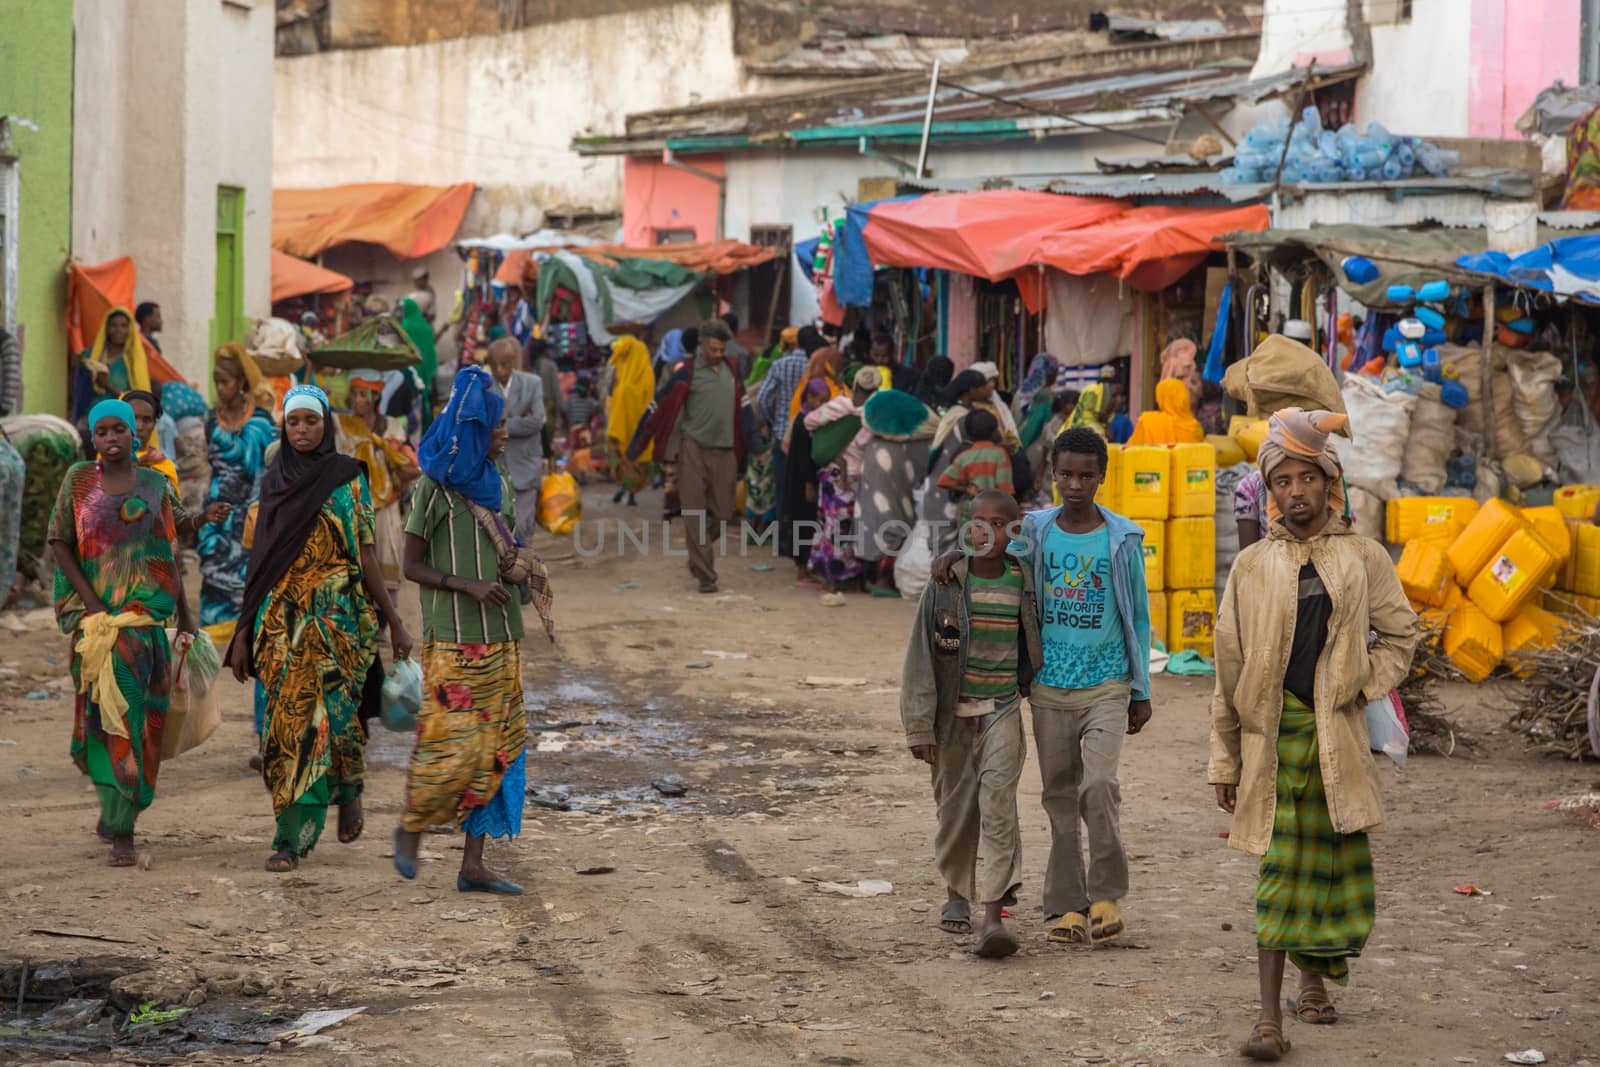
[1490, 447]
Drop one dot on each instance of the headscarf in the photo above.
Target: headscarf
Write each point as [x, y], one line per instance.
[1295, 433]
[935, 376]
[367, 379]
[1090, 413]
[111, 408]
[150, 454]
[1172, 423]
[421, 334]
[825, 366]
[1038, 371]
[455, 450]
[670, 351]
[293, 491]
[960, 386]
[632, 392]
[256, 391]
[182, 401]
[133, 355]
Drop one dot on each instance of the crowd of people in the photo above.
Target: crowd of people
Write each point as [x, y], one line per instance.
[317, 509]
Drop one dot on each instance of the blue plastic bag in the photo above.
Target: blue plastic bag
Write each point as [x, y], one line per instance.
[402, 696]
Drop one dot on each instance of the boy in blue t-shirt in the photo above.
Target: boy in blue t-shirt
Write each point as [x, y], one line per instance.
[1093, 686]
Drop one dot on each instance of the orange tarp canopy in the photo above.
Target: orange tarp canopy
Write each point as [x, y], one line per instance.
[296, 277]
[92, 291]
[991, 234]
[408, 220]
[1149, 247]
[711, 257]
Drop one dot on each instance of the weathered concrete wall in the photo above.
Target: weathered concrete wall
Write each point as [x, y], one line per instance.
[154, 140]
[500, 111]
[36, 89]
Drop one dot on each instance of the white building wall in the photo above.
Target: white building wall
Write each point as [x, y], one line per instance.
[499, 110]
[152, 140]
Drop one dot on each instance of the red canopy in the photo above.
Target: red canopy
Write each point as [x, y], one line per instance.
[292, 277]
[408, 220]
[1150, 247]
[989, 234]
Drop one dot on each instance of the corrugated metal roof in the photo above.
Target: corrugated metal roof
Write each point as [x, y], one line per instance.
[1502, 183]
[1254, 90]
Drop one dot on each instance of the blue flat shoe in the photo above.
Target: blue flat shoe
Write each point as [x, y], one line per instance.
[494, 885]
[407, 868]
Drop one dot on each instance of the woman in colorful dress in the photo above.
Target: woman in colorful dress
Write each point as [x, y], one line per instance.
[379, 442]
[116, 585]
[111, 366]
[308, 629]
[238, 433]
[467, 767]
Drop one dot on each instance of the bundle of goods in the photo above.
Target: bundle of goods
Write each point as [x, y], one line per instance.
[1348, 155]
[1170, 491]
[1430, 731]
[48, 446]
[1483, 575]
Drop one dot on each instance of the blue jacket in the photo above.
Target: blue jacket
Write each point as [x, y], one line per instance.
[1127, 582]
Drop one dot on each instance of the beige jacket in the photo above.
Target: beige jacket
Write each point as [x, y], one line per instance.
[1255, 631]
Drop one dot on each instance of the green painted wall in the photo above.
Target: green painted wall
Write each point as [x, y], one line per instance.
[36, 85]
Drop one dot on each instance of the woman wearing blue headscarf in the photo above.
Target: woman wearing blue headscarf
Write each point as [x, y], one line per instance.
[467, 767]
[309, 631]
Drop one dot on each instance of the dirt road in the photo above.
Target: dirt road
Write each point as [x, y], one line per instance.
[702, 937]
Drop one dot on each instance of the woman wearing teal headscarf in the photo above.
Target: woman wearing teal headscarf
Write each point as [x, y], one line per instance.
[421, 335]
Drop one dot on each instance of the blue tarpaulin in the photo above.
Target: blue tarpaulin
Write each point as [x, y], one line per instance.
[1568, 267]
[852, 267]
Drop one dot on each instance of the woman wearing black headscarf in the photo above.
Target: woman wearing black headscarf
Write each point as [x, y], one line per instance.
[935, 376]
[308, 631]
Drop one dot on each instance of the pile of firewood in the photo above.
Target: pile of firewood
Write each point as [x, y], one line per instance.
[1431, 733]
[1551, 707]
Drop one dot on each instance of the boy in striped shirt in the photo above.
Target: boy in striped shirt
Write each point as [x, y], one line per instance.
[967, 667]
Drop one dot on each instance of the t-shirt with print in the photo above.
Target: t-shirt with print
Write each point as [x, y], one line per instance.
[458, 546]
[1082, 627]
[996, 604]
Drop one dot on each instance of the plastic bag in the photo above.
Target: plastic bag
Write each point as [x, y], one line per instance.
[202, 664]
[560, 503]
[1428, 448]
[914, 566]
[193, 713]
[1387, 730]
[402, 696]
[1380, 424]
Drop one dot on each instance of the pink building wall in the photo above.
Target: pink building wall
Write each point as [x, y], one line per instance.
[659, 197]
[1519, 47]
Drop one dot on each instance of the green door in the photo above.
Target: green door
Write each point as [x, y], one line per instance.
[228, 323]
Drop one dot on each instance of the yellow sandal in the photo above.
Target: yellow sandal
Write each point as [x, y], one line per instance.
[1105, 921]
[1071, 929]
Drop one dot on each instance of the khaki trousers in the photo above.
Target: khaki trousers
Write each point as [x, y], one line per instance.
[1079, 737]
[708, 482]
[978, 845]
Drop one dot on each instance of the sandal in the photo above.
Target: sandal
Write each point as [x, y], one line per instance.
[1070, 929]
[1105, 921]
[996, 945]
[956, 917]
[282, 862]
[1267, 1043]
[1314, 1007]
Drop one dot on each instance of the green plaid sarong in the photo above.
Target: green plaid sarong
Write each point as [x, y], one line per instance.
[1315, 898]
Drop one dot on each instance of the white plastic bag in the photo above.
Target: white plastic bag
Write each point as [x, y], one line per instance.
[402, 696]
[1380, 423]
[1386, 732]
[914, 565]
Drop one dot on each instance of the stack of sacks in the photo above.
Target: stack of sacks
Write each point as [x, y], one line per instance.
[1479, 574]
[1170, 491]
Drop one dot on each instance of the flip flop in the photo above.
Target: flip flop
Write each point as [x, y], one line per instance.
[493, 885]
[1266, 1044]
[956, 917]
[1105, 921]
[996, 945]
[281, 862]
[1314, 1007]
[1071, 929]
[407, 868]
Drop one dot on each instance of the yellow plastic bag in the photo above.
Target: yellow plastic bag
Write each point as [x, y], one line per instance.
[560, 503]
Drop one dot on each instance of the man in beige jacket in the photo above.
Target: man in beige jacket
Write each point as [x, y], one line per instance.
[1313, 627]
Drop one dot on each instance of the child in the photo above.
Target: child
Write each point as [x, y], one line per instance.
[983, 465]
[1092, 684]
[967, 666]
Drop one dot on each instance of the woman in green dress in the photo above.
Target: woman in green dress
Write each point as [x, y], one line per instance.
[116, 586]
[309, 628]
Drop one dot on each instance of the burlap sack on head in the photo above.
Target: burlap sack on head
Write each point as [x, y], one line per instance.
[1283, 373]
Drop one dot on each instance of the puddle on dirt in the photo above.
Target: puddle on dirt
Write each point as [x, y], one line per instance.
[591, 749]
[68, 1009]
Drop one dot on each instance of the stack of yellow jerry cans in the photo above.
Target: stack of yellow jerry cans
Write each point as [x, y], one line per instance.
[1484, 575]
[1170, 491]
